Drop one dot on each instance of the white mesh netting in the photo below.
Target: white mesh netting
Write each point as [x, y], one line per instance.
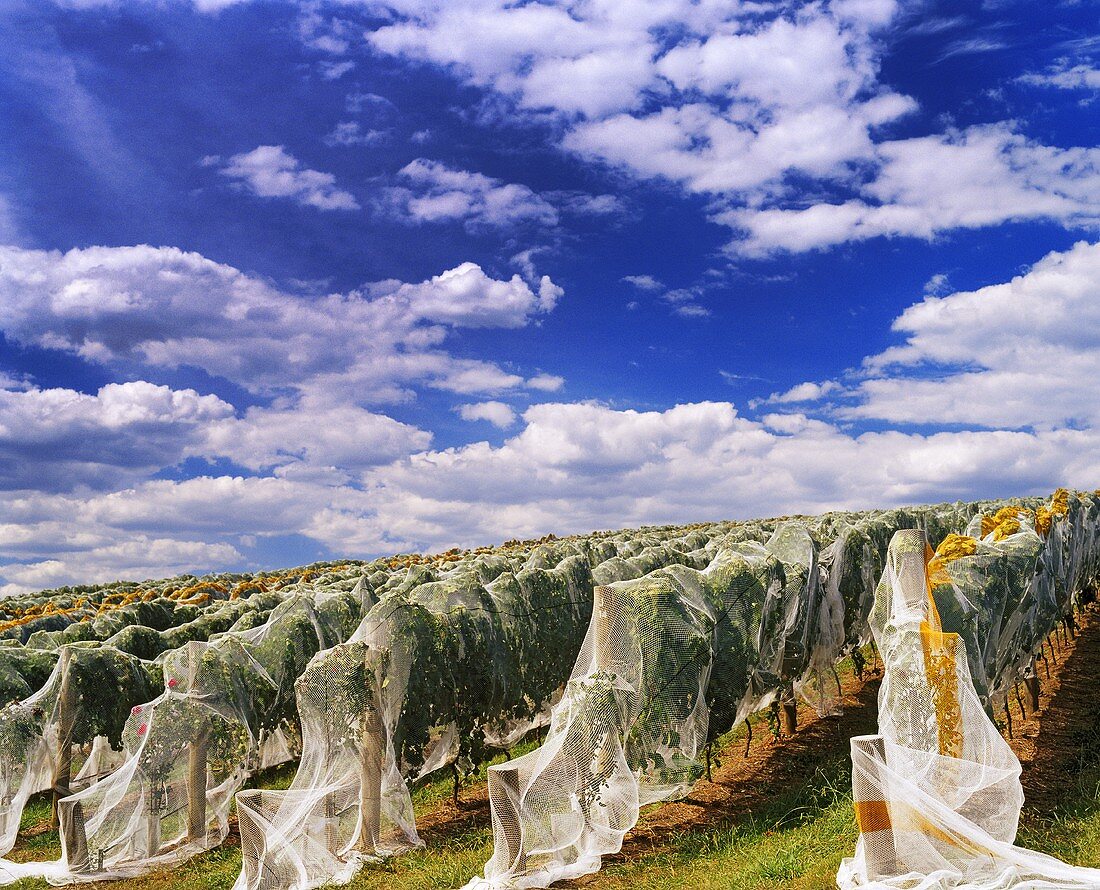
[437, 673]
[225, 710]
[99, 673]
[681, 634]
[668, 659]
[64, 735]
[937, 791]
[673, 659]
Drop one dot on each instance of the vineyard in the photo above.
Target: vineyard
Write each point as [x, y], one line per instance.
[621, 663]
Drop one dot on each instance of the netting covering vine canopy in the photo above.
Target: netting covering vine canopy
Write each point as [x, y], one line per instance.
[670, 653]
[937, 791]
[453, 668]
[147, 706]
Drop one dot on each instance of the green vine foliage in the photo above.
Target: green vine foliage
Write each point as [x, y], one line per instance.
[480, 655]
[996, 601]
[160, 732]
[801, 596]
[674, 643]
[338, 688]
[23, 672]
[740, 589]
[604, 707]
[106, 685]
[20, 727]
[419, 644]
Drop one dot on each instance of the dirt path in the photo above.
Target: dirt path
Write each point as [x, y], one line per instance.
[1052, 742]
[742, 784]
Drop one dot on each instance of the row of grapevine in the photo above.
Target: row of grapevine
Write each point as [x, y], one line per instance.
[680, 655]
[470, 644]
[438, 675]
[51, 618]
[227, 710]
[144, 628]
[455, 657]
[86, 696]
[221, 709]
[71, 732]
[937, 790]
[67, 727]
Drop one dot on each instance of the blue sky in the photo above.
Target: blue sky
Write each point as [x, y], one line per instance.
[283, 282]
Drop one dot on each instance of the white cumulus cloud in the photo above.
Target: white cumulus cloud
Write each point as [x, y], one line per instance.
[497, 413]
[932, 184]
[430, 191]
[1025, 353]
[755, 106]
[59, 438]
[270, 171]
[160, 307]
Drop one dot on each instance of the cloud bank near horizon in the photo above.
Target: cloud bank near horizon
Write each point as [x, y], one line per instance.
[320, 458]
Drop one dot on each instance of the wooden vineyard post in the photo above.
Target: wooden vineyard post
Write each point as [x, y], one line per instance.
[1032, 683]
[789, 711]
[66, 717]
[370, 785]
[331, 816]
[872, 809]
[332, 824]
[152, 822]
[504, 798]
[196, 786]
[71, 826]
[75, 838]
[604, 654]
[609, 654]
[196, 766]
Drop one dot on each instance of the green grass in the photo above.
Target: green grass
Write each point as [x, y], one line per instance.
[798, 840]
[1072, 832]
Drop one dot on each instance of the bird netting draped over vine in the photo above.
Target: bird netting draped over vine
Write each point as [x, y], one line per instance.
[435, 675]
[226, 709]
[678, 656]
[937, 791]
[668, 659]
[63, 736]
[84, 686]
[461, 654]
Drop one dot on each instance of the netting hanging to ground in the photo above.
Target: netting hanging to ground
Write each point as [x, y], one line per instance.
[442, 673]
[671, 660]
[937, 791]
[668, 658]
[435, 675]
[64, 736]
[225, 711]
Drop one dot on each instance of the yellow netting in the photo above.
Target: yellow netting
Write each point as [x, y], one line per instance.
[1044, 516]
[941, 649]
[951, 548]
[1004, 522]
[940, 654]
[1059, 505]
